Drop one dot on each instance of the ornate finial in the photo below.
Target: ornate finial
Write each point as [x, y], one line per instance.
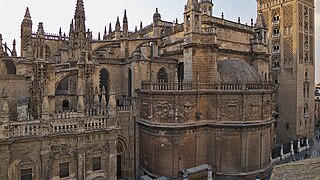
[251, 22]
[40, 28]
[112, 99]
[5, 48]
[156, 10]
[99, 36]
[141, 25]
[239, 20]
[125, 19]
[110, 28]
[103, 97]
[222, 15]
[14, 51]
[136, 28]
[117, 24]
[27, 14]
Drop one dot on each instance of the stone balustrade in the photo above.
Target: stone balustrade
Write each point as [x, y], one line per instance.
[285, 151]
[67, 122]
[29, 128]
[187, 86]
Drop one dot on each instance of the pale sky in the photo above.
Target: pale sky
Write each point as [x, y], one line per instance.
[59, 13]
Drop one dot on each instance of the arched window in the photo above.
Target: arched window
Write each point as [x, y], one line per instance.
[305, 110]
[65, 105]
[104, 80]
[129, 82]
[180, 72]
[276, 19]
[162, 75]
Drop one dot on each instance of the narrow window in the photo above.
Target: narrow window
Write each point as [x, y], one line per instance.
[63, 170]
[96, 164]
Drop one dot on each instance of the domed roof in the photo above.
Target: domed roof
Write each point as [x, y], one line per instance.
[236, 71]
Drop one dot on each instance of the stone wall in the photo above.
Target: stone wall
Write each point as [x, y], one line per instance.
[15, 86]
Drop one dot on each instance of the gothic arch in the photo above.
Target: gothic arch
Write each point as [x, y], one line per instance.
[62, 75]
[162, 75]
[122, 157]
[65, 105]
[104, 80]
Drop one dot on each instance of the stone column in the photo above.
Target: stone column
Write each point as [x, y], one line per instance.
[5, 159]
[45, 108]
[209, 174]
[4, 115]
[112, 145]
[298, 146]
[307, 144]
[81, 159]
[80, 87]
[291, 148]
[46, 162]
[51, 79]
[281, 152]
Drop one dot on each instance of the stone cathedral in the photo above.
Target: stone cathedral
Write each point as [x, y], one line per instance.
[155, 102]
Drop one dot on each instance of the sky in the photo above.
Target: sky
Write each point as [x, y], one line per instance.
[99, 13]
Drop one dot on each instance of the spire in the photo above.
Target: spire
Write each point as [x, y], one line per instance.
[125, 25]
[260, 23]
[112, 104]
[71, 30]
[103, 98]
[141, 25]
[27, 14]
[99, 36]
[117, 30]
[5, 48]
[118, 25]
[110, 28]
[1, 48]
[125, 19]
[14, 51]
[105, 33]
[26, 31]
[156, 16]
[79, 17]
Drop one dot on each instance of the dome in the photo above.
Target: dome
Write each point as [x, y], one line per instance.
[236, 71]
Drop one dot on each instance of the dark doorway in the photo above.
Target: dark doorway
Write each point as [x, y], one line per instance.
[180, 72]
[104, 82]
[65, 105]
[26, 174]
[119, 167]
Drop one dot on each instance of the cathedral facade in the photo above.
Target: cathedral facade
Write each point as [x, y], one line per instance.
[155, 101]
